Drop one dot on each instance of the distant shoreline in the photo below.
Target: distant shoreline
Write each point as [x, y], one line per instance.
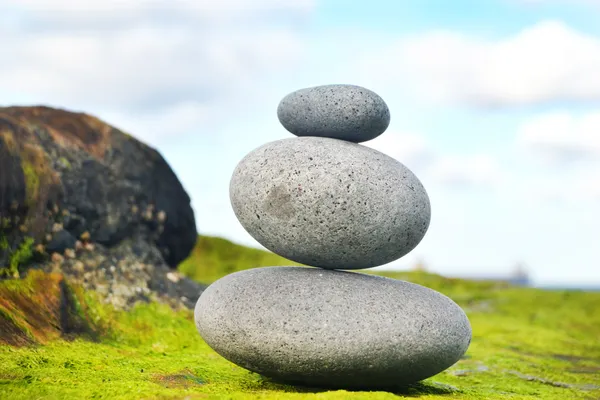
[567, 287]
[524, 281]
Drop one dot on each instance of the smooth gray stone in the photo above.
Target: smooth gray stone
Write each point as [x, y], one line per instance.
[346, 112]
[334, 329]
[329, 203]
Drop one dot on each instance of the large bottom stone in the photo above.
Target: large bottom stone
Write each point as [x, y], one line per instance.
[330, 328]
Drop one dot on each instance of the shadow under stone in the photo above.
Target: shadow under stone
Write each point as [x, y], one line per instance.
[412, 390]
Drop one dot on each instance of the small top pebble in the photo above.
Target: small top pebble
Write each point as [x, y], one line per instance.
[345, 112]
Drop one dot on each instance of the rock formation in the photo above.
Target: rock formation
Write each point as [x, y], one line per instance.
[83, 198]
[324, 200]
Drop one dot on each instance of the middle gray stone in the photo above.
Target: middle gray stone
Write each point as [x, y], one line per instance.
[329, 203]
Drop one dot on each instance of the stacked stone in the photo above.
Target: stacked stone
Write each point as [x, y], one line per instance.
[326, 201]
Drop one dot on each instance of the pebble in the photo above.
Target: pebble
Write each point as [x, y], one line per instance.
[329, 203]
[332, 329]
[345, 112]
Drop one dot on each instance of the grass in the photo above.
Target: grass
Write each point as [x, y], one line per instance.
[213, 258]
[44, 307]
[16, 257]
[527, 344]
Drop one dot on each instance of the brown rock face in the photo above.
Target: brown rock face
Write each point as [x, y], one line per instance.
[73, 183]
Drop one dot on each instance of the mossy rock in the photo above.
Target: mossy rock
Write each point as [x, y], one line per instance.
[28, 184]
[74, 171]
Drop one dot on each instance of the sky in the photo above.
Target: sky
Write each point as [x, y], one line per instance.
[495, 105]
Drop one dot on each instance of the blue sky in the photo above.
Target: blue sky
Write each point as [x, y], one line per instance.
[495, 104]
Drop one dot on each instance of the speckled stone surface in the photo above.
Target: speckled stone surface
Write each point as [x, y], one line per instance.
[346, 112]
[329, 203]
[331, 328]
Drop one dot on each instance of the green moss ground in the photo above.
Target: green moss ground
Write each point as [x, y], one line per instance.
[213, 258]
[527, 344]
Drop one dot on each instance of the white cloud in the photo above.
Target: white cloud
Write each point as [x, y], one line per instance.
[561, 137]
[576, 189]
[66, 6]
[547, 62]
[155, 61]
[410, 149]
[589, 186]
[170, 122]
[144, 67]
[78, 14]
[569, 147]
[472, 170]
[454, 170]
